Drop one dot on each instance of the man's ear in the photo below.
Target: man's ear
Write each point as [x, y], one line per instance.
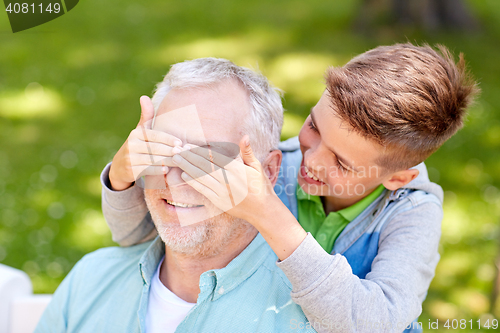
[271, 165]
[400, 179]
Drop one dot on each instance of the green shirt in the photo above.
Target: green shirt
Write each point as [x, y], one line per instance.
[327, 229]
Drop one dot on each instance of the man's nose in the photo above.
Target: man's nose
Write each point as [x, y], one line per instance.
[174, 177]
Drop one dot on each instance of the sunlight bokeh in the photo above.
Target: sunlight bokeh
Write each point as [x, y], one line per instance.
[35, 101]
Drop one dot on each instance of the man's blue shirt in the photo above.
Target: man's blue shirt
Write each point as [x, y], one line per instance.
[107, 291]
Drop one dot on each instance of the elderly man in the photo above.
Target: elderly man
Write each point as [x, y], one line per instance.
[217, 275]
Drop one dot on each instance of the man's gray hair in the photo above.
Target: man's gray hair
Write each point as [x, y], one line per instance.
[264, 123]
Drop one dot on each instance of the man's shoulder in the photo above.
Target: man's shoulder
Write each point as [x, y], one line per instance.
[110, 259]
[118, 252]
[269, 265]
[106, 266]
[82, 301]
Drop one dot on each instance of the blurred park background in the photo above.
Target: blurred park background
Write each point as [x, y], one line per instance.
[69, 96]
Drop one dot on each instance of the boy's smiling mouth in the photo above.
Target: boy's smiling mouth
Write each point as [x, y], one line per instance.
[309, 176]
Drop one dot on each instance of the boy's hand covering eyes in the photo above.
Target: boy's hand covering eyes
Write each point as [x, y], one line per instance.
[235, 183]
[145, 152]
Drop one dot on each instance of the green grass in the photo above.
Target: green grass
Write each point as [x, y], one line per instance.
[69, 95]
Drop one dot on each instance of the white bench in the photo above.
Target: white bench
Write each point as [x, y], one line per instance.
[20, 309]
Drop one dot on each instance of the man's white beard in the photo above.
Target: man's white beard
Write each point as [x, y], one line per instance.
[206, 238]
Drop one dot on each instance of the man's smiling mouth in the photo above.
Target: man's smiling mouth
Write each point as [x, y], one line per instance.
[182, 205]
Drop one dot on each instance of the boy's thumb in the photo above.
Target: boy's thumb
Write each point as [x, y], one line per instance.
[147, 111]
[247, 153]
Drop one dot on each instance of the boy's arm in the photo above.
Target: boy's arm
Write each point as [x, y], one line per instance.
[126, 213]
[393, 292]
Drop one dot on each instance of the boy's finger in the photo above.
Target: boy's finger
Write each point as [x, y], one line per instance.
[152, 148]
[199, 169]
[247, 153]
[149, 170]
[147, 160]
[200, 187]
[211, 154]
[149, 135]
[206, 161]
[147, 111]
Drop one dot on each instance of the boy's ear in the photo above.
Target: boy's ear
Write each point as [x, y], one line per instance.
[271, 165]
[400, 179]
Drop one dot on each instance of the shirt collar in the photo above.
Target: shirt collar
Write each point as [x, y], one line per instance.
[349, 213]
[241, 267]
[224, 279]
[150, 259]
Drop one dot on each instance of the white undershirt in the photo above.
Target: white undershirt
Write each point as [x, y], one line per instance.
[165, 309]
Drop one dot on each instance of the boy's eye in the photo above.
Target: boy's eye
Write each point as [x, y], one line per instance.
[311, 126]
[340, 166]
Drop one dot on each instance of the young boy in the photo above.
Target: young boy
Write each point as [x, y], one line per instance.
[355, 181]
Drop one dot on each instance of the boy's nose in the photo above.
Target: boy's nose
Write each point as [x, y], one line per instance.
[315, 158]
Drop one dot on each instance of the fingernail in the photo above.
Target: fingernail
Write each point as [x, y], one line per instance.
[176, 150]
[178, 143]
[176, 159]
[186, 147]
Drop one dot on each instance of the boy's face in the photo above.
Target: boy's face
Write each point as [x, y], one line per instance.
[342, 161]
